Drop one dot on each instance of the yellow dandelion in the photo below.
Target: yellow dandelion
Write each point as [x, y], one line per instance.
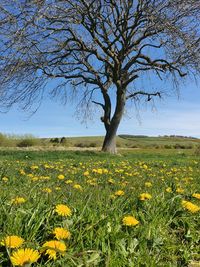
[145, 196]
[53, 248]
[5, 179]
[12, 241]
[47, 190]
[190, 206]
[145, 167]
[61, 177]
[22, 257]
[119, 193]
[34, 167]
[22, 172]
[61, 233]
[63, 210]
[57, 188]
[196, 195]
[78, 186]
[148, 184]
[112, 196]
[180, 190]
[69, 182]
[130, 221]
[111, 181]
[168, 189]
[18, 200]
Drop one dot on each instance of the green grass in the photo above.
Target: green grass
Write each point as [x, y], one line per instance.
[167, 234]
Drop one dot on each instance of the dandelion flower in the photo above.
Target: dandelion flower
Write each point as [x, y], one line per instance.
[78, 186]
[47, 190]
[196, 196]
[111, 181]
[130, 221]
[190, 206]
[145, 196]
[57, 188]
[54, 247]
[119, 193]
[22, 257]
[5, 179]
[148, 184]
[61, 177]
[12, 241]
[61, 233]
[180, 190]
[69, 182]
[63, 210]
[168, 190]
[112, 196]
[18, 200]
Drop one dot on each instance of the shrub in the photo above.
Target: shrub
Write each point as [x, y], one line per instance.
[55, 140]
[79, 144]
[168, 146]
[27, 142]
[92, 144]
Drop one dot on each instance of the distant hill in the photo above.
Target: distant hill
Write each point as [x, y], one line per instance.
[123, 141]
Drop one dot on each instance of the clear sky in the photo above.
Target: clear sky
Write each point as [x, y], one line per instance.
[171, 116]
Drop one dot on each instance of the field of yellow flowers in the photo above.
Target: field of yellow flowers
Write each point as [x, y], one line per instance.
[94, 210]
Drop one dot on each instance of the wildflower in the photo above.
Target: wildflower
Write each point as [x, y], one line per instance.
[47, 190]
[61, 177]
[130, 221]
[18, 200]
[78, 186]
[12, 241]
[34, 167]
[119, 193]
[35, 179]
[86, 173]
[57, 188]
[145, 167]
[180, 190]
[111, 181]
[145, 196]
[61, 233]
[5, 179]
[196, 195]
[112, 196]
[190, 206]
[54, 247]
[168, 189]
[22, 172]
[148, 184]
[63, 210]
[69, 182]
[22, 257]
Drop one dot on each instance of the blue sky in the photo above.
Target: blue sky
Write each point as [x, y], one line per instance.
[171, 116]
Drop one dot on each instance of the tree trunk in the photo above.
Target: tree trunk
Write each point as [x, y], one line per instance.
[109, 144]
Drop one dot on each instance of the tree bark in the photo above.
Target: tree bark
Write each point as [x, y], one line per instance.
[109, 144]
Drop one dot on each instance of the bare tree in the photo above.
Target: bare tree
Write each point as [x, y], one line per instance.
[95, 45]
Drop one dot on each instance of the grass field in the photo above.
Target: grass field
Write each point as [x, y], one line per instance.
[139, 208]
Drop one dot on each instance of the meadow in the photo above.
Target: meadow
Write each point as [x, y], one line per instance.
[61, 208]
